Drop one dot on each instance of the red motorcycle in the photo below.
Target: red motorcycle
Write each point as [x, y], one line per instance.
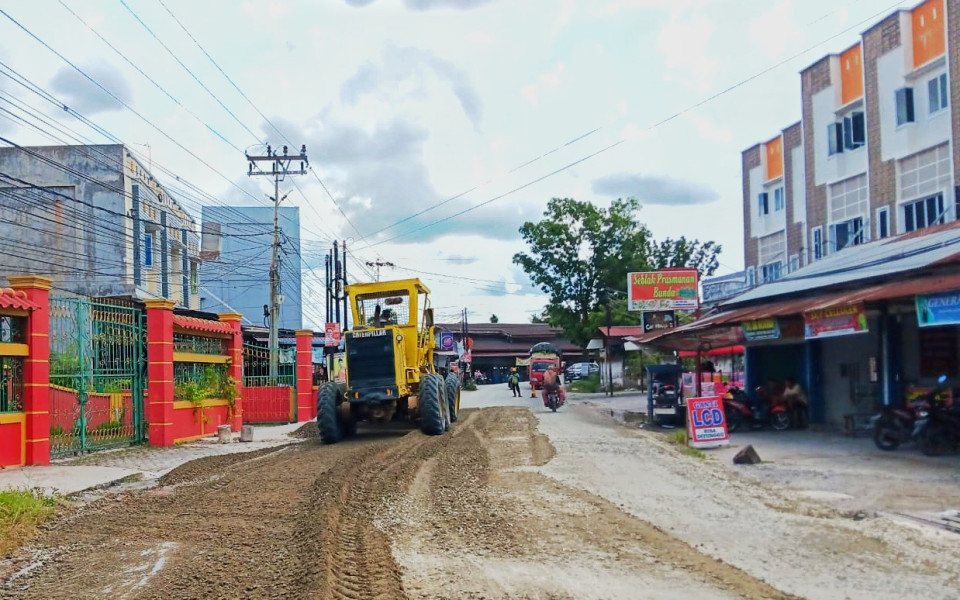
[739, 410]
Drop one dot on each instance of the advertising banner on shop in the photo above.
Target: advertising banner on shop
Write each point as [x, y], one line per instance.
[830, 322]
[658, 321]
[706, 425]
[761, 329]
[669, 289]
[448, 342]
[938, 309]
[331, 334]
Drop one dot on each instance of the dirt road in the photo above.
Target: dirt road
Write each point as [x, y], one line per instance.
[494, 510]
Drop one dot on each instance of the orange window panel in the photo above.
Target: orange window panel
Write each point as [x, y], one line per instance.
[775, 158]
[928, 32]
[851, 75]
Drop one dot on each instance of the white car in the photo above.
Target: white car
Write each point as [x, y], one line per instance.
[581, 370]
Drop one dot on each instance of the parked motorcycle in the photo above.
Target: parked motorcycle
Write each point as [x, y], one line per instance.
[939, 431]
[895, 424]
[739, 411]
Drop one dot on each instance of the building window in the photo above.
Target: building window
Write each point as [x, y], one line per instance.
[778, 200]
[905, 106]
[848, 199]
[194, 279]
[846, 234]
[883, 222]
[794, 262]
[148, 250]
[937, 87]
[816, 242]
[854, 131]
[763, 202]
[771, 251]
[751, 278]
[923, 213]
[835, 138]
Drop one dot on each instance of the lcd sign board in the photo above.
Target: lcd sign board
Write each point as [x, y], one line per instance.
[706, 423]
[669, 289]
[830, 322]
[938, 309]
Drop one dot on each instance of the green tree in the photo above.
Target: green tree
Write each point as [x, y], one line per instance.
[580, 254]
[494, 319]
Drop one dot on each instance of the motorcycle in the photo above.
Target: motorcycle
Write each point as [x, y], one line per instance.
[553, 400]
[738, 410]
[939, 431]
[895, 424]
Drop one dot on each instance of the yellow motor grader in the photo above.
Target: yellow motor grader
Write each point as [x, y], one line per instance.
[391, 375]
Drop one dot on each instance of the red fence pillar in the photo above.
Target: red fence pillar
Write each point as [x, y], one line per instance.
[235, 369]
[36, 371]
[160, 371]
[305, 405]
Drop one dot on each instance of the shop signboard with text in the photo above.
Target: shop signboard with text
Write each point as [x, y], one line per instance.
[761, 329]
[658, 321]
[830, 322]
[938, 309]
[706, 425]
[669, 289]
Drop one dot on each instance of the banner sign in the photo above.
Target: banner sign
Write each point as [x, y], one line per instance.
[338, 368]
[448, 342]
[829, 322]
[706, 426]
[761, 329]
[669, 289]
[938, 309]
[657, 321]
[331, 334]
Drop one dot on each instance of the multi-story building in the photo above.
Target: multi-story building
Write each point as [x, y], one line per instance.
[874, 154]
[95, 220]
[237, 276]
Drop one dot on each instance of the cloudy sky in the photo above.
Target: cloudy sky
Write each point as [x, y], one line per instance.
[436, 127]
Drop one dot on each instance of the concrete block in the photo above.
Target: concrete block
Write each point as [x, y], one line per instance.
[246, 433]
[223, 434]
[747, 456]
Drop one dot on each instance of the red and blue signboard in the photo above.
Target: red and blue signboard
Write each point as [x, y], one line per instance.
[706, 425]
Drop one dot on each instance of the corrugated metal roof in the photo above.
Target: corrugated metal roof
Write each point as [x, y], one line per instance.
[902, 254]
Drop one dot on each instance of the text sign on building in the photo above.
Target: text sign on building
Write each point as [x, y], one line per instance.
[830, 322]
[669, 289]
[761, 329]
[331, 334]
[658, 321]
[448, 342]
[706, 425]
[938, 309]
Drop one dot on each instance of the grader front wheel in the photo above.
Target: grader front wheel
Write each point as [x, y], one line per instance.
[432, 421]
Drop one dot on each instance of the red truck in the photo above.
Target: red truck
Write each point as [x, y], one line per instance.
[543, 355]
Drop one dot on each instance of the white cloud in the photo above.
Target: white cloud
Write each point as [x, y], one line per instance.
[709, 130]
[687, 57]
[775, 32]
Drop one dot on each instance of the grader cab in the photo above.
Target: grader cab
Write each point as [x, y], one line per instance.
[391, 373]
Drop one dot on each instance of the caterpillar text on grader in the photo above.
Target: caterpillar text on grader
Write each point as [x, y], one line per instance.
[391, 373]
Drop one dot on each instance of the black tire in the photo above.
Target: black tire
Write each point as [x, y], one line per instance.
[935, 441]
[452, 385]
[884, 436]
[432, 421]
[328, 416]
[780, 421]
[733, 419]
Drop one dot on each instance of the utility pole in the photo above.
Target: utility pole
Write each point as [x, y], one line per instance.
[279, 169]
[346, 311]
[378, 263]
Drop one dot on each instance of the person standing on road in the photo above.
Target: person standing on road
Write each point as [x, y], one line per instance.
[796, 403]
[514, 382]
[551, 382]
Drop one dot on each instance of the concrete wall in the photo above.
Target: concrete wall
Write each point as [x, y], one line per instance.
[847, 354]
[240, 279]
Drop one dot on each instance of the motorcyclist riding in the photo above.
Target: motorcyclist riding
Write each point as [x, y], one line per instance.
[551, 382]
